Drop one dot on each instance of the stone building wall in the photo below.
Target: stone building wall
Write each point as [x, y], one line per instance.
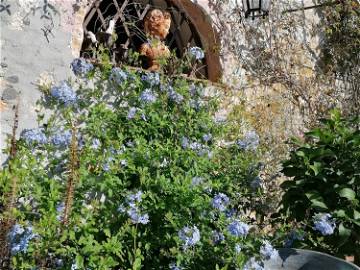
[38, 43]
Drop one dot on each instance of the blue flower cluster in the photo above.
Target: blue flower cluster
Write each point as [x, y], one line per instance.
[252, 264]
[174, 96]
[107, 165]
[196, 181]
[132, 113]
[173, 266]
[207, 137]
[80, 67]
[151, 78]
[200, 149]
[118, 75]
[62, 138]
[324, 224]
[197, 53]
[35, 135]
[238, 228]
[59, 210]
[64, 93]
[267, 251]
[220, 202]
[19, 238]
[95, 144]
[189, 236]
[148, 96]
[131, 207]
[217, 237]
[250, 141]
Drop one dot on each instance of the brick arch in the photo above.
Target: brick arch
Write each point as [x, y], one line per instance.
[193, 26]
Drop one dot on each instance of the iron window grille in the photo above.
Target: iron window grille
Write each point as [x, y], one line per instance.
[128, 16]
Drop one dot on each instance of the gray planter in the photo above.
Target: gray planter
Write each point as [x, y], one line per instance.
[299, 259]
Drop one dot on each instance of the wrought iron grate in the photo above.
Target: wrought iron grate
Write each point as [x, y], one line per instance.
[129, 16]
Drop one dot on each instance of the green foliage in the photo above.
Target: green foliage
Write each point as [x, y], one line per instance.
[325, 171]
[122, 142]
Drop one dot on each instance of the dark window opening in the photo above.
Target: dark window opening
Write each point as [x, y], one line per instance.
[129, 17]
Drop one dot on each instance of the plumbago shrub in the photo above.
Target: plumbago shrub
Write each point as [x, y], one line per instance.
[323, 196]
[129, 172]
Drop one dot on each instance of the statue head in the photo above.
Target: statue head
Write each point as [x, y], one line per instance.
[157, 23]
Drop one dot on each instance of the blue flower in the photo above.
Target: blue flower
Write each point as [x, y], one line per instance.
[197, 53]
[193, 90]
[148, 96]
[267, 251]
[64, 93]
[175, 97]
[19, 238]
[173, 266]
[135, 197]
[220, 201]
[230, 213]
[95, 144]
[132, 113]
[190, 236]
[60, 209]
[184, 142]
[107, 165]
[131, 207]
[238, 229]
[195, 104]
[34, 136]
[195, 181]
[118, 75]
[200, 149]
[80, 67]
[217, 237]
[252, 264]
[324, 224]
[152, 78]
[137, 217]
[238, 248]
[207, 137]
[250, 141]
[62, 138]
[123, 162]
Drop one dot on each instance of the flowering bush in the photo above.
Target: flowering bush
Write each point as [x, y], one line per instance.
[126, 173]
[323, 196]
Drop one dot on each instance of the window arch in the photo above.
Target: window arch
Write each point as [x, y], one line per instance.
[190, 27]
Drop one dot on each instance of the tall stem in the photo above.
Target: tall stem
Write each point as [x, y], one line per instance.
[73, 175]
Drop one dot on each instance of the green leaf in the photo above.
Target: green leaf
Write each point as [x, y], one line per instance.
[347, 193]
[344, 234]
[340, 213]
[316, 168]
[356, 215]
[316, 200]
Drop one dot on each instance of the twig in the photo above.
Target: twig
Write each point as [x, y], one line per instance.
[73, 175]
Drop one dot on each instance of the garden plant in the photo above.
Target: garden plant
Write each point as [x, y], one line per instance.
[130, 170]
[323, 196]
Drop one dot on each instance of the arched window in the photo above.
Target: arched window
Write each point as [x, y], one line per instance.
[190, 27]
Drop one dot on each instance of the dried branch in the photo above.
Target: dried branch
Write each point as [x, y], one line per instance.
[73, 175]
